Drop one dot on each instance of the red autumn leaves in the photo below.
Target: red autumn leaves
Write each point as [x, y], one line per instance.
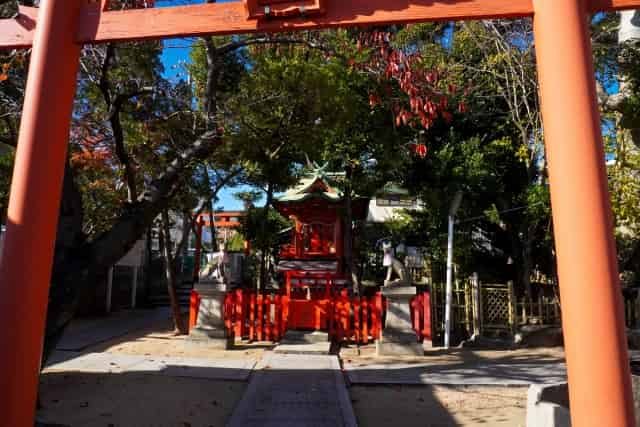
[428, 95]
[418, 149]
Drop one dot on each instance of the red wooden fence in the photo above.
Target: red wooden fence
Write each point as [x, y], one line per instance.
[421, 316]
[194, 304]
[263, 317]
[355, 319]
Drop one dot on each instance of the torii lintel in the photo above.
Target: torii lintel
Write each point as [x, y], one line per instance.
[99, 26]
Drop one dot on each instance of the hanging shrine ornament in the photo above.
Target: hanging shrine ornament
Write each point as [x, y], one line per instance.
[265, 9]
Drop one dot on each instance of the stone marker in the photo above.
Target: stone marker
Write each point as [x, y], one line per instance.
[398, 337]
[210, 329]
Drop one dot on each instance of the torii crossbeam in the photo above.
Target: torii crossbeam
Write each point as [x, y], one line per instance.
[592, 316]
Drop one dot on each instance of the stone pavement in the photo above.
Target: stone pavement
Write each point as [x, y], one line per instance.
[303, 342]
[295, 390]
[508, 370]
[85, 332]
[210, 368]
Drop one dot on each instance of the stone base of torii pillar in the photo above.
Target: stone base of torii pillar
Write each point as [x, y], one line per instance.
[398, 337]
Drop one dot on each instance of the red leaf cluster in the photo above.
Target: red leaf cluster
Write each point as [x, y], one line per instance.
[418, 149]
[427, 94]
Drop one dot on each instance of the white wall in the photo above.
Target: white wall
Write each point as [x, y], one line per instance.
[379, 214]
[135, 257]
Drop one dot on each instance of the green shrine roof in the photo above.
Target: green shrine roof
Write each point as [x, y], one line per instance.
[393, 189]
[315, 184]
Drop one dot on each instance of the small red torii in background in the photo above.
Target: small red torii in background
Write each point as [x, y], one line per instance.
[595, 342]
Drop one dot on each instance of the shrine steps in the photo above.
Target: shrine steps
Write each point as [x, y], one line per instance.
[160, 298]
[304, 342]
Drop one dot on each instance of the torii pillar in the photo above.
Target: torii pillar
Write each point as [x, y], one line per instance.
[32, 218]
[592, 310]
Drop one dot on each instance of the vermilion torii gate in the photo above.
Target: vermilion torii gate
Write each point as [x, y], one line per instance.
[596, 352]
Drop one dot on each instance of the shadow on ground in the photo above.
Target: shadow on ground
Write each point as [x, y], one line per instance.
[172, 396]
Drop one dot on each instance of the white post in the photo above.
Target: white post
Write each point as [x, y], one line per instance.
[109, 288]
[134, 287]
[475, 293]
[449, 291]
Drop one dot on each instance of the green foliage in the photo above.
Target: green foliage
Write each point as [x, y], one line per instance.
[280, 114]
[263, 234]
[491, 152]
[283, 105]
[236, 243]
[6, 169]
[248, 198]
[230, 70]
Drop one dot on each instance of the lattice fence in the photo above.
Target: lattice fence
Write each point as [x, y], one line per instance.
[631, 298]
[543, 310]
[489, 309]
[461, 308]
[497, 302]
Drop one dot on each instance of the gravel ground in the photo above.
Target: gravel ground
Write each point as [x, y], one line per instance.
[138, 400]
[431, 406]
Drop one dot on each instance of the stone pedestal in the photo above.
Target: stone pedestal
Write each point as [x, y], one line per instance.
[398, 337]
[210, 330]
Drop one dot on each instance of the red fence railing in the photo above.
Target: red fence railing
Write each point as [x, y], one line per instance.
[264, 317]
[356, 319]
[421, 316]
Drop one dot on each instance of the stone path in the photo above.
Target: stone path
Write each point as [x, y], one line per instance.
[509, 372]
[85, 332]
[295, 390]
[210, 368]
[301, 342]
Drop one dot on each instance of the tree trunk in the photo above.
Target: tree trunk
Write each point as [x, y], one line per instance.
[76, 260]
[187, 225]
[264, 250]
[527, 258]
[66, 282]
[212, 219]
[170, 273]
[109, 247]
[349, 269]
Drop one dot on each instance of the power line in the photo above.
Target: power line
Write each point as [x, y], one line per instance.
[519, 208]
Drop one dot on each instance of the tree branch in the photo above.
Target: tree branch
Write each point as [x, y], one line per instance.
[229, 47]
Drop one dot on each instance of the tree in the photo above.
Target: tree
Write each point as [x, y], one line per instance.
[509, 60]
[6, 166]
[275, 120]
[488, 146]
[248, 198]
[617, 59]
[167, 149]
[169, 266]
[166, 141]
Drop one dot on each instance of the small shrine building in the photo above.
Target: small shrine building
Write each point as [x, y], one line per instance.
[313, 260]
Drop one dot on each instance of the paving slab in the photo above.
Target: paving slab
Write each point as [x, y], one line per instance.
[214, 368]
[92, 362]
[510, 373]
[301, 342]
[295, 390]
[85, 332]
